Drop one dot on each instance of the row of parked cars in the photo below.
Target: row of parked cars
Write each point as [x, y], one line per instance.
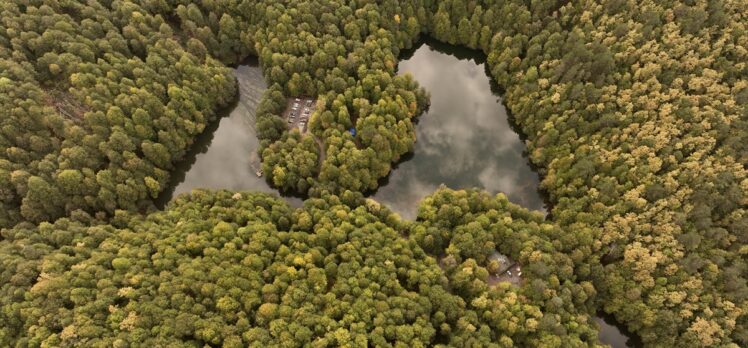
[303, 113]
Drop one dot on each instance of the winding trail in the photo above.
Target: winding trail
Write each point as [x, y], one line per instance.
[322, 152]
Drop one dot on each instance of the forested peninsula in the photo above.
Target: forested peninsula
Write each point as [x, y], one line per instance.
[634, 112]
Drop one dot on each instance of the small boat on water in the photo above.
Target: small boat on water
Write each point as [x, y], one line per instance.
[259, 173]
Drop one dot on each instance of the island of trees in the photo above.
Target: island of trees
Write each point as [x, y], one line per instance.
[635, 113]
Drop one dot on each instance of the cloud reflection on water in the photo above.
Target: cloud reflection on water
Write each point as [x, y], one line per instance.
[225, 158]
[464, 140]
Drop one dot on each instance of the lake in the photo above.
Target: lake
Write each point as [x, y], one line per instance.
[225, 155]
[464, 140]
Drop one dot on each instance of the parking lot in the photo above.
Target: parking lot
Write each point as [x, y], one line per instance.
[297, 113]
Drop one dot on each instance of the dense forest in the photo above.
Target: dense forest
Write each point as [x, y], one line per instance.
[233, 269]
[635, 113]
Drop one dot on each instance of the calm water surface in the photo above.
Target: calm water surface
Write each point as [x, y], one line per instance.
[616, 334]
[225, 156]
[464, 139]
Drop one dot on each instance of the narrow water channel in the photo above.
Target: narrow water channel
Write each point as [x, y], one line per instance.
[225, 156]
[616, 334]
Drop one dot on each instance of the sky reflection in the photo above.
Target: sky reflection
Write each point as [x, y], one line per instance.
[226, 157]
[464, 140]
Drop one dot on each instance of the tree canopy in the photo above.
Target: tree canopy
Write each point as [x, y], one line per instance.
[635, 113]
[237, 269]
